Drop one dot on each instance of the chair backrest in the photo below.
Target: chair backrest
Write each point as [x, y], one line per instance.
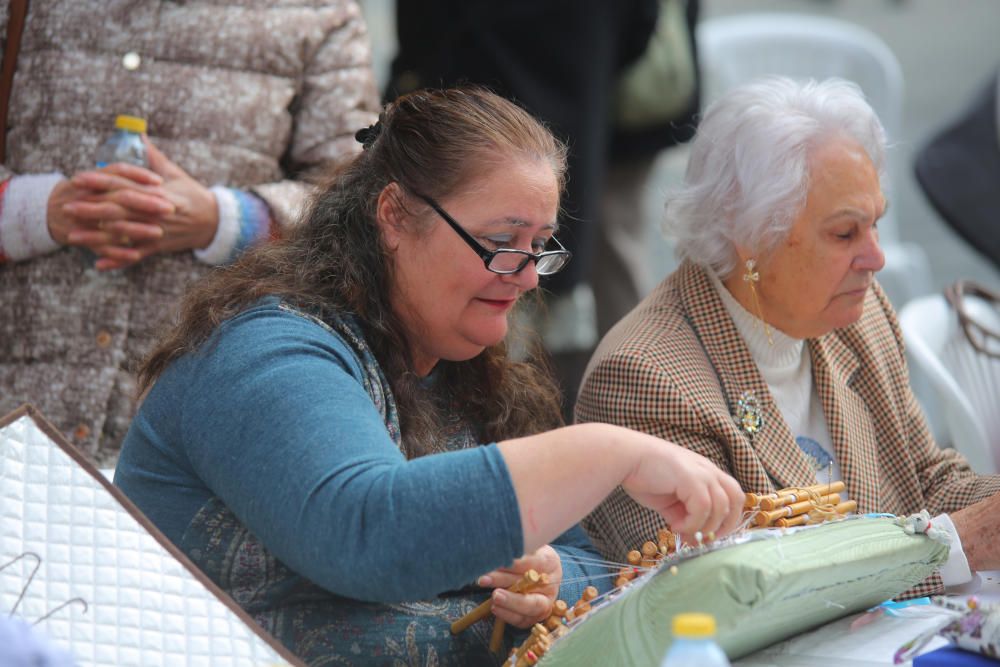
[735, 49]
[966, 383]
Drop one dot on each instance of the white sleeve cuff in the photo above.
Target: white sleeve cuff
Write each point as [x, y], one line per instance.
[24, 230]
[955, 570]
[220, 250]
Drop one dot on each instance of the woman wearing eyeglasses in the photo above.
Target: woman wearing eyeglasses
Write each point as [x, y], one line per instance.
[334, 430]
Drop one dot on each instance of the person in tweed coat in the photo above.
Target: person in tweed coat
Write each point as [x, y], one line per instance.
[243, 101]
[772, 350]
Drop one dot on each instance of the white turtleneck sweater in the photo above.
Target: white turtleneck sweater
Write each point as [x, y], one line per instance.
[786, 367]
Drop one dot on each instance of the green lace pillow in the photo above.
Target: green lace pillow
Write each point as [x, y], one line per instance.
[760, 592]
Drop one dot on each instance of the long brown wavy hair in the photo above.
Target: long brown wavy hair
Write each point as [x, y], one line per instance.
[433, 142]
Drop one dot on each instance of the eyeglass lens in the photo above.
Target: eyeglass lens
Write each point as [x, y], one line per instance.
[512, 262]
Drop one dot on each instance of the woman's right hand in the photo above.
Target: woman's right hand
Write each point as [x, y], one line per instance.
[561, 475]
[689, 491]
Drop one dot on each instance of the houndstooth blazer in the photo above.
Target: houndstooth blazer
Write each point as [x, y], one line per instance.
[676, 366]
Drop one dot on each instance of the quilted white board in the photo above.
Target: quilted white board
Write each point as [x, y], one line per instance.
[105, 588]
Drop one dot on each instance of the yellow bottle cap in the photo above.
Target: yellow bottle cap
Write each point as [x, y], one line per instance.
[694, 626]
[131, 123]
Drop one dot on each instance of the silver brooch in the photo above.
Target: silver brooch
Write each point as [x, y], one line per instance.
[750, 417]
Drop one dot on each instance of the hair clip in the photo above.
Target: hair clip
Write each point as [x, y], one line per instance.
[367, 135]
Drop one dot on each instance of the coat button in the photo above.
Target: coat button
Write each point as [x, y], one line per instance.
[81, 432]
[103, 339]
[131, 60]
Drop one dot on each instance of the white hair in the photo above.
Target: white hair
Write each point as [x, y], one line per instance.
[748, 173]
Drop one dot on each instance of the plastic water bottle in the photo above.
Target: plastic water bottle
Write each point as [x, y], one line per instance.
[694, 643]
[125, 144]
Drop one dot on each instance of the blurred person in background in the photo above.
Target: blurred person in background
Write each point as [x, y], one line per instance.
[959, 171]
[242, 103]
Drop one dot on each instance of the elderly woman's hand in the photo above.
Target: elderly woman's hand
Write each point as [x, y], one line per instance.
[524, 610]
[979, 528]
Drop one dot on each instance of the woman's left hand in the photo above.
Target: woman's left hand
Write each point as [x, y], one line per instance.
[524, 610]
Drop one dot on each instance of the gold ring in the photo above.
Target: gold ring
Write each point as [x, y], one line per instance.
[124, 240]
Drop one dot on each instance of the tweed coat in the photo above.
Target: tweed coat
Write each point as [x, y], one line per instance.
[676, 366]
[250, 94]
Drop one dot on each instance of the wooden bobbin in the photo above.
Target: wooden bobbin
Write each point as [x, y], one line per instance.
[649, 553]
[791, 521]
[526, 584]
[477, 614]
[529, 578]
[534, 654]
[626, 576]
[769, 504]
[753, 500]
[763, 519]
[666, 541]
[542, 645]
[537, 631]
[791, 496]
[769, 501]
[582, 605]
[496, 636]
[556, 615]
[813, 516]
[823, 489]
[847, 507]
[841, 510]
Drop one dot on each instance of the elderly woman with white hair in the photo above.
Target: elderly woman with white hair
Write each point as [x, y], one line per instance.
[772, 350]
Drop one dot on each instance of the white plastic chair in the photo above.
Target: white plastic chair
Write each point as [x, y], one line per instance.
[964, 384]
[735, 49]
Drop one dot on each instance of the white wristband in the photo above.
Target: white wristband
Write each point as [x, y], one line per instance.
[955, 570]
[24, 229]
[220, 250]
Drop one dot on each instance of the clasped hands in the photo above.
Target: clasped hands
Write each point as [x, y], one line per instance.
[124, 213]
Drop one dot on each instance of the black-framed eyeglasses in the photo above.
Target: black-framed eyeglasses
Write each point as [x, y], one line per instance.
[506, 261]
